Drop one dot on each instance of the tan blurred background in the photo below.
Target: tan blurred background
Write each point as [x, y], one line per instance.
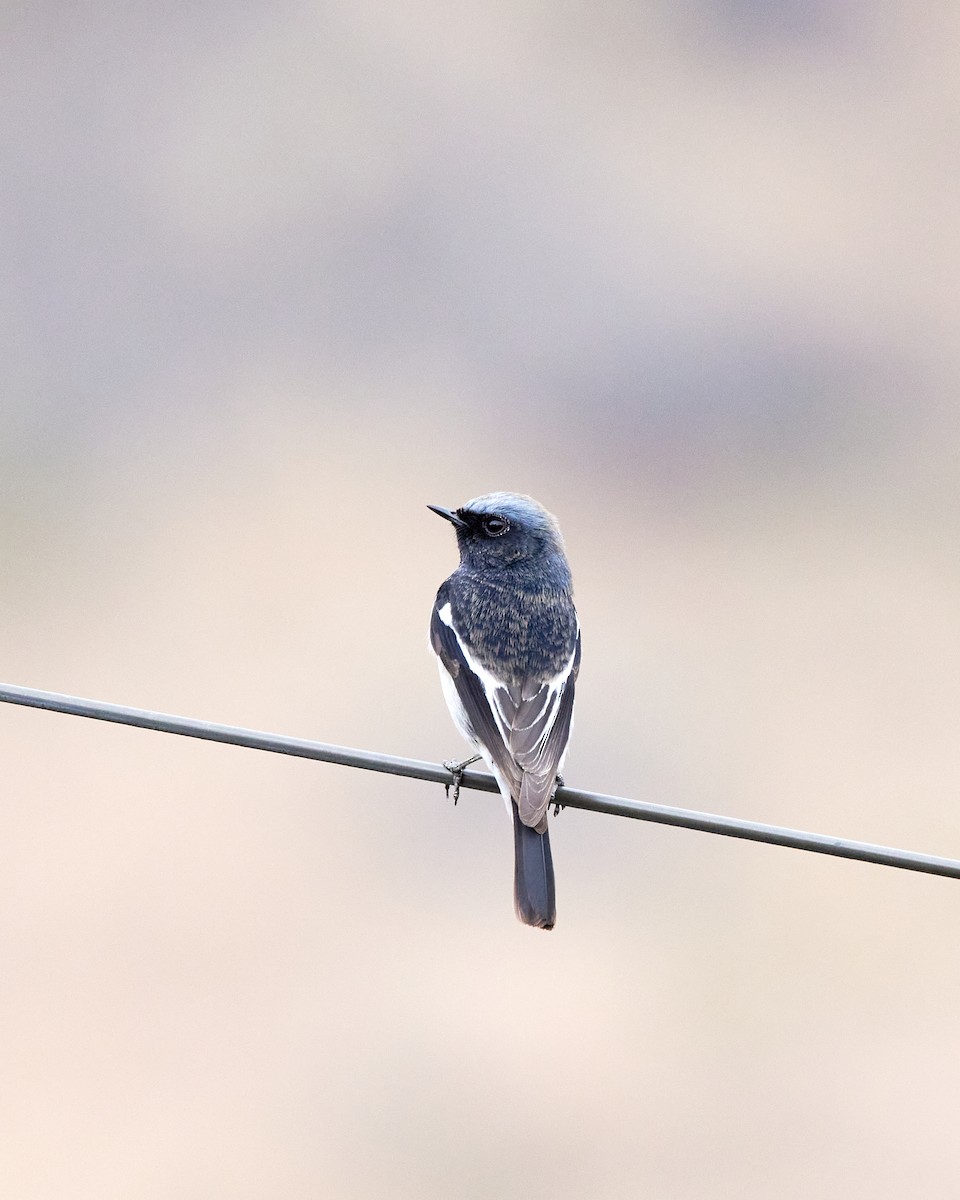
[276, 277]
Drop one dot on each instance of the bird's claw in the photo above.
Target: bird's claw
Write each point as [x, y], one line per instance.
[456, 770]
[557, 806]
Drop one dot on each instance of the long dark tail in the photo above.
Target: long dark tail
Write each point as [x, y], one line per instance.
[534, 892]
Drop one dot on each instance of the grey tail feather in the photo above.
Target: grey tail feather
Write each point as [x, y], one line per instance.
[534, 892]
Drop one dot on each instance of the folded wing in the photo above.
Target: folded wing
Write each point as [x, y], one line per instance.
[524, 728]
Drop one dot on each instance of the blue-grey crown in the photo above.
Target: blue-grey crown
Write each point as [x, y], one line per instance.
[521, 510]
[508, 530]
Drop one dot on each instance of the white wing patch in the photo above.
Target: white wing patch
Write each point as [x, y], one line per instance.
[462, 722]
[490, 684]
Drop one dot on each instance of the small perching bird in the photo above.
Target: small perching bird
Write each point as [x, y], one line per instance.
[506, 634]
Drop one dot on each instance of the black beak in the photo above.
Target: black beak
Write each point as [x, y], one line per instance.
[448, 515]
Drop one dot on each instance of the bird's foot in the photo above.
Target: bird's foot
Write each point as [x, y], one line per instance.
[557, 806]
[457, 769]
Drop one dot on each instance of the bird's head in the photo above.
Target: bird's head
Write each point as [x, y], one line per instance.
[504, 529]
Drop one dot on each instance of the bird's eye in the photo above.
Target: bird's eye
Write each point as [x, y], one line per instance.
[495, 526]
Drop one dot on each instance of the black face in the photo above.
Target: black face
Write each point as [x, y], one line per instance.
[484, 525]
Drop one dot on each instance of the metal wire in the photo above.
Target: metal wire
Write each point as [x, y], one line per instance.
[436, 773]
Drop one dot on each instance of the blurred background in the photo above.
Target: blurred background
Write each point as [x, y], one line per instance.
[276, 277]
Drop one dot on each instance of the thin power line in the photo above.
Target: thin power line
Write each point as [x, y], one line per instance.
[435, 773]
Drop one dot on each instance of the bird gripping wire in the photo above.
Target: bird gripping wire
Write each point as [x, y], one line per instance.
[567, 797]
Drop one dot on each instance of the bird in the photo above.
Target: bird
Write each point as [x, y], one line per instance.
[506, 635]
